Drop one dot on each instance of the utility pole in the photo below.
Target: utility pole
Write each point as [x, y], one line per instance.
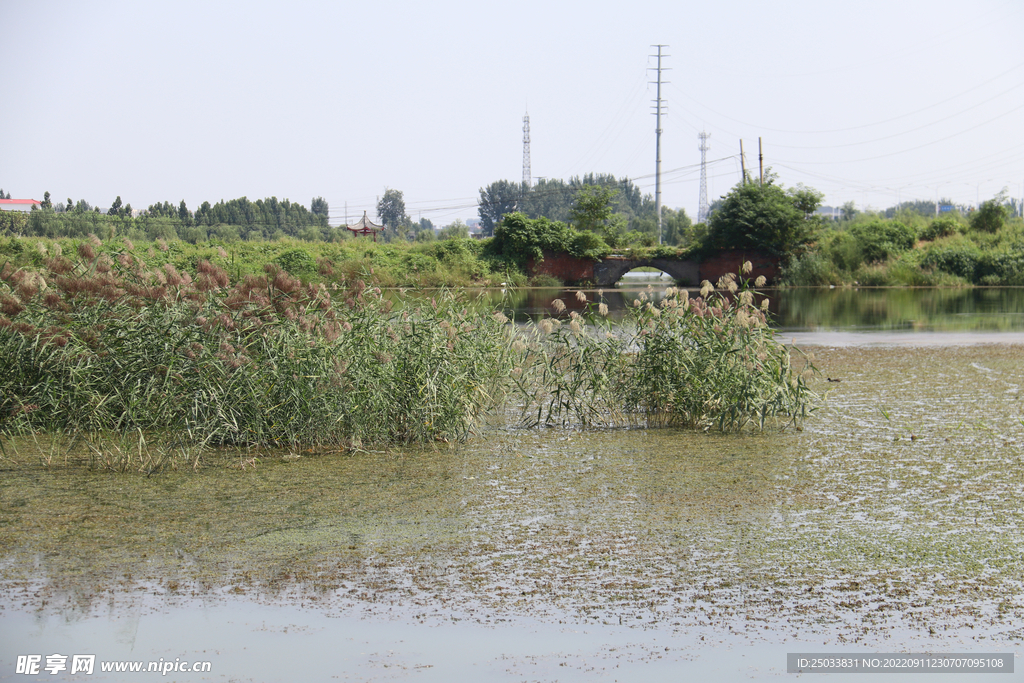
[760, 160]
[658, 107]
[527, 175]
[743, 164]
[702, 211]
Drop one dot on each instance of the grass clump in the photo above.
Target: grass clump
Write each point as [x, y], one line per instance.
[703, 363]
[109, 348]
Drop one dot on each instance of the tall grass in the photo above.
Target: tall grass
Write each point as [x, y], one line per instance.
[104, 347]
[703, 363]
[147, 367]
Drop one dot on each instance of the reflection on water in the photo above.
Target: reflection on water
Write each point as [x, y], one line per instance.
[811, 310]
[917, 310]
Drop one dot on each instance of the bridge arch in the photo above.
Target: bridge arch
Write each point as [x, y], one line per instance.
[610, 270]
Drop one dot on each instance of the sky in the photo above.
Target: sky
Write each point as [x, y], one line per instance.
[873, 101]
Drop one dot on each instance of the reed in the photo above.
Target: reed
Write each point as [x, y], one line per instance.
[148, 367]
[701, 363]
[152, 363]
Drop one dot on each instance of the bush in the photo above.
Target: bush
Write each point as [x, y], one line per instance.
[844, 249]
[991, 216]
[811, 269]
[588, 245]
[297, 262]
[880, 239]
[1001, 268]
[958, 257]
[942, 227]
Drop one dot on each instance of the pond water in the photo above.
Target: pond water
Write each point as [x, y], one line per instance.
[891, 521]
[838, 316]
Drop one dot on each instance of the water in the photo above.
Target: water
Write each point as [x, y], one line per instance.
[967, 311]
[891, 522]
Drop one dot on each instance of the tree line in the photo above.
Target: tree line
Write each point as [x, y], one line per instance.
[263, 219]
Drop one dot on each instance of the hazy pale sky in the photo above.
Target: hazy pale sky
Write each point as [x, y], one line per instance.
[869, 101]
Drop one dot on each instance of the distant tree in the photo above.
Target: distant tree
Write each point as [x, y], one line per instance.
[592, 207]
[496, 200]
[391, 210]
[47, 204]
[454, 231]
[70, 206]
[184, 215]
[765, 217]
[83, 206]
[676, 226]
[319, 207]
[849, 211]
[548, 198]
[115, 208]
[991, 215]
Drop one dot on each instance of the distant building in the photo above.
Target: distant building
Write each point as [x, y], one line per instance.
[23, 205]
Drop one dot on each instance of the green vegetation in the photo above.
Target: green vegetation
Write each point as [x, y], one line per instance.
[455, 262]
[985, 247]
[150, 364]
[766, 217]
[702, 363]
[616, 209]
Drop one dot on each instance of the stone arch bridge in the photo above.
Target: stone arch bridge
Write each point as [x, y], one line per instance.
[608, 271]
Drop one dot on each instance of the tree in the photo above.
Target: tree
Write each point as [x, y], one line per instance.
[765, 217]
[115, 208]
[991, 215]
[319, 207]
[849, 211]
[592, 207]
[677, 226]
[454, 231]
[70, 206]
[391, 210]
[47, 204]
[496, 200]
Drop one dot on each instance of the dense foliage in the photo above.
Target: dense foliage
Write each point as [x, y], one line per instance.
[983, 247]
[766, 217]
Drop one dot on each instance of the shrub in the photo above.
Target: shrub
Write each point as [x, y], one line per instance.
[588, 245]
[991, 216]
[844, 249]
[811, 269]
[297, 262]
[958, 257]
[942, 227]
[880, 239]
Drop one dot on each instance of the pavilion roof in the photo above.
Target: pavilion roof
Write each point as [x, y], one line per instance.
[364, 225]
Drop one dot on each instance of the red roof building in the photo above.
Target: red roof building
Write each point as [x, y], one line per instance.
[19, 204]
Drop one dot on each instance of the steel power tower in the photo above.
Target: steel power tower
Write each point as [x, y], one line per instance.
[658, 108]
[702, 211]
[527, 175]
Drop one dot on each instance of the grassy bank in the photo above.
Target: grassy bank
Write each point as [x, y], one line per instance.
[985, 248]
[450, 263]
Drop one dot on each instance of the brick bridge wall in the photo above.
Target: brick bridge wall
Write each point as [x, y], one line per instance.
[607, 272]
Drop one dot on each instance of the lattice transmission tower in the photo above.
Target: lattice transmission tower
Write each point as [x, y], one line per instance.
[702, 211]
[527, 174]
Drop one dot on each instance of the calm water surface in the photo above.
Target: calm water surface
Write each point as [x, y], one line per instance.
[892, 521]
